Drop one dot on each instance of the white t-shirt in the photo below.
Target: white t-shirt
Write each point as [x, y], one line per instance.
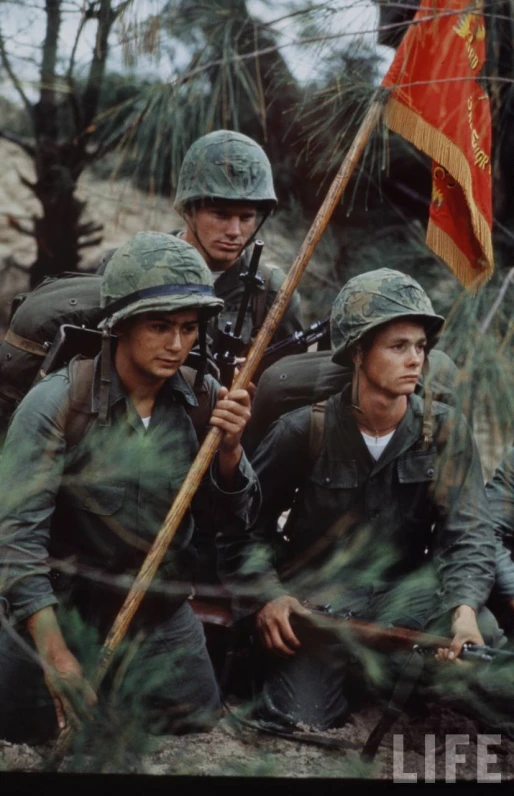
[374, 445]
[146, 420]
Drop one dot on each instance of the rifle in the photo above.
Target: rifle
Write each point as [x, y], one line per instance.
[230, 345]
[296, 343]
[326, 625]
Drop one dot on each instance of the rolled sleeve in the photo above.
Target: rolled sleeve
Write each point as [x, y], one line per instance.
[244, 501]
[465, 550]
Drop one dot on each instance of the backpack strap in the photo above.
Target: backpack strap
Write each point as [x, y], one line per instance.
[79, 415]
[201, 414]
[259, 303]
[81, 374]
[316, 430]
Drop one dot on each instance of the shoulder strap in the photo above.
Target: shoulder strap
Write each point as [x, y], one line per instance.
[261, 297]
[81, 374]
[201, 414]
[316, 430]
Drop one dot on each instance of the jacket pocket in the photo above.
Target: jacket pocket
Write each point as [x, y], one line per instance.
[417, 468]
[416, 474]
[101, 500]
[335, 474]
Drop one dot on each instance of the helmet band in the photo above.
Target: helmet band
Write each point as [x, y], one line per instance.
[155, 292]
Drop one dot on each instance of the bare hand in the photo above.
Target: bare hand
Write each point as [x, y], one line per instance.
[464, 629]
[274, 627]
[231, 414]
[72, 695]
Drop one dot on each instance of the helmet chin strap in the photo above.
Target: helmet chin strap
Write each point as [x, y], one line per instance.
[356, 382]
[427, 433]
[252, 237]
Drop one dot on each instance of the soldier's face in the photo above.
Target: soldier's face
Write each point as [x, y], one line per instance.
[152, 346]
[393, 363]
[219, 231]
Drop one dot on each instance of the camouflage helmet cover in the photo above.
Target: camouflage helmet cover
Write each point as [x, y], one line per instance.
[375, 298]
[225, 165]
[155, 272]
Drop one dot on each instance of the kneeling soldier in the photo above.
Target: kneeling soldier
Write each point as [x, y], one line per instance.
[95, 500]
[388, 520]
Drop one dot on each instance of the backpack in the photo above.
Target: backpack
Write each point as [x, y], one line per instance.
[36, 318]
[310, 379]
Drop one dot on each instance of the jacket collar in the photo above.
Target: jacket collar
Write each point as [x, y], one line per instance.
[407, 431]
[173, 388]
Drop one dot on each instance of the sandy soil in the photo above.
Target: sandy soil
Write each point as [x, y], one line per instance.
[233, 750]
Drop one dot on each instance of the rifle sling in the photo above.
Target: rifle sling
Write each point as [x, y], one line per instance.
[402, 691]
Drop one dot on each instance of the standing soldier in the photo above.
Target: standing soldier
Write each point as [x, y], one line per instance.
[389, 516]
[225, 193]
[93, 459]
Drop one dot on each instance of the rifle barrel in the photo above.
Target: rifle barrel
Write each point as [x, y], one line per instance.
[249, 287]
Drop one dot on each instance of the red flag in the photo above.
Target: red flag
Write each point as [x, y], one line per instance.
[438, 105]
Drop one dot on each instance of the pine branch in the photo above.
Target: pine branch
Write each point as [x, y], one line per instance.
[91, 96]
[4, 59]
[92, 242]
[14, 139]
[116, 139]
[32, 186]
[13, 223]
[71, 63]
[88, 228]
[107, 16]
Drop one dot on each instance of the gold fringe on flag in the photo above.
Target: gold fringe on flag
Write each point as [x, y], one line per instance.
[442, 150]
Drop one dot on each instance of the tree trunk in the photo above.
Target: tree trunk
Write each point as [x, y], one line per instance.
[57, 231]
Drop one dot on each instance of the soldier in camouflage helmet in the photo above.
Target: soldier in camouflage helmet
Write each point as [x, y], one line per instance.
[154, 272]
[389, 516]
[98, 498]
[225, 193]
[375, 298]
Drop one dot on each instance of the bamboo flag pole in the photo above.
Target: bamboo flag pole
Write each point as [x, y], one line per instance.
[242, 380]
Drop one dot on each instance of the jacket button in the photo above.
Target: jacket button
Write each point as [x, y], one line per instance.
[88, 502]
[326, 480]
[430, 472]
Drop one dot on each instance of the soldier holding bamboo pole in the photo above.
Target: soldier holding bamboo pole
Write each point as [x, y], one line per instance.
[93, 459]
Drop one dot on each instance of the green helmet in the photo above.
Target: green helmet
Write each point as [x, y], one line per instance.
[154, 272]
[378, 297]
[225, 165]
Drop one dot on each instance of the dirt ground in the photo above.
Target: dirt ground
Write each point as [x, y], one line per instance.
[416, 749]
[232, 749]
